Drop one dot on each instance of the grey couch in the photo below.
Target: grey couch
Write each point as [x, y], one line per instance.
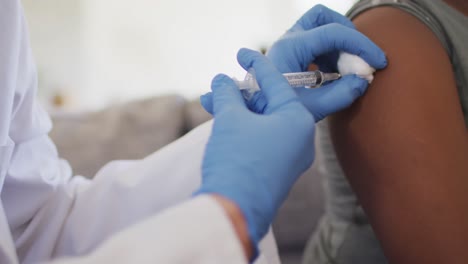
[136, 129]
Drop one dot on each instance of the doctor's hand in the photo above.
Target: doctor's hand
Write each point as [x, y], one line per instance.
[254, 159]
[318, 37]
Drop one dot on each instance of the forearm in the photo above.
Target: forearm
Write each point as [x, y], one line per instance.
[238, 222]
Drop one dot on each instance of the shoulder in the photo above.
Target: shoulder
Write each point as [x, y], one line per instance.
[403, 37]
[419, 76]
[411, 112]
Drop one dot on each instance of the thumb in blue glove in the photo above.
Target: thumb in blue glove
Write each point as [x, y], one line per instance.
[253, 159]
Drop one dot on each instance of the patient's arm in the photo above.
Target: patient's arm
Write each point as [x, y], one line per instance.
[404, 145]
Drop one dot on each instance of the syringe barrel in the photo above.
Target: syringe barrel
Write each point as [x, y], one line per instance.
[296, 79]
[304, 79]
[310, 79]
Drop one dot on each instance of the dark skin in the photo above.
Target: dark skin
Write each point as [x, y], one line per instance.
[404, 145]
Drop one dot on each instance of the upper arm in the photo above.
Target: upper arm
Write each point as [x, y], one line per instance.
[404, 145]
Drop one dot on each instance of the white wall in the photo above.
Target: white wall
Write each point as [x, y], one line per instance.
[106, 51]
[168, 46]
[340, 6]
[55, 29]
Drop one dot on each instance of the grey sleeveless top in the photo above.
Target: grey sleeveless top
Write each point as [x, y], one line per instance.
[344, 234]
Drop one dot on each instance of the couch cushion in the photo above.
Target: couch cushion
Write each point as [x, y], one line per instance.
[128, 131]
[300, 213]
[195, 114]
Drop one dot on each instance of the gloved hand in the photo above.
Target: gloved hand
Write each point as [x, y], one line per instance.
[254, 159]
[317, 38]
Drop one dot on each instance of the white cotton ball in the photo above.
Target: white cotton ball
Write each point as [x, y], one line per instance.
[352, 64]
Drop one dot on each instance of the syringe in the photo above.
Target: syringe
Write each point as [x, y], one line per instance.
[310, 79]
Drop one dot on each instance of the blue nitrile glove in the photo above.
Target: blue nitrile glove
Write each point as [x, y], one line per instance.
[317, 38]
[254, 159]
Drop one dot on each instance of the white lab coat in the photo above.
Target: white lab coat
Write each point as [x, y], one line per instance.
[132, 212]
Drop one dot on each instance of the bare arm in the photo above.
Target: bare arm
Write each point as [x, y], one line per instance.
[404, 145]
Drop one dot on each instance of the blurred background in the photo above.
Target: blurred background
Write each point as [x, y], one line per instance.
[92, 53]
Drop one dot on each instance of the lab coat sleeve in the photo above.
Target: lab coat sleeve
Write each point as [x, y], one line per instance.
[196, 231]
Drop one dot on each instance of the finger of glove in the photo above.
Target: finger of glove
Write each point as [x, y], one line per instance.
[320, 15]
[335, 37]
[226, 95]
[333, 97]
[206, 102]
[257, 104]
[272, 83]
